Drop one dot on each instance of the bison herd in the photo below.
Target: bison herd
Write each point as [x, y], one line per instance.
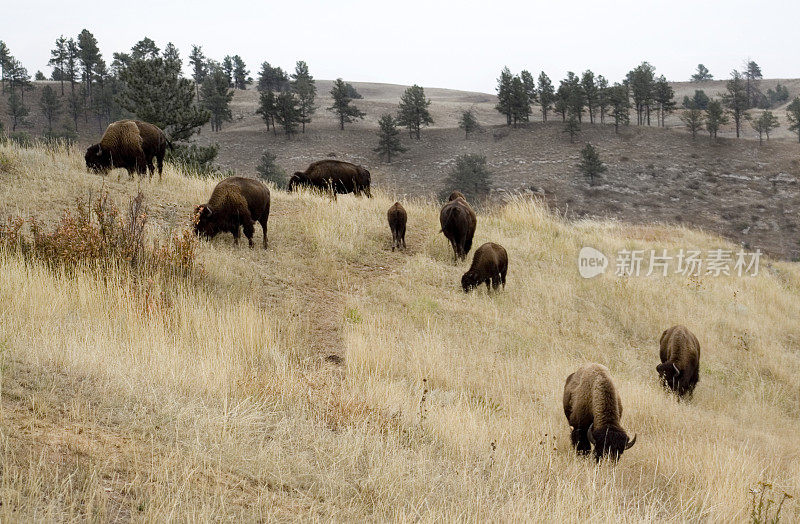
[592, 405]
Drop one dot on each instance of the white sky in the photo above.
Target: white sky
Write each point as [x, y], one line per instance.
[459, 45]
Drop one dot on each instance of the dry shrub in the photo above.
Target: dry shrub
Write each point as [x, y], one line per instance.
[96, 235]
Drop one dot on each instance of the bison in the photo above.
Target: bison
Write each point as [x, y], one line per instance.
[235, 201]
[154, 145]
[458, 222]
[489, 264]
[680, 360]
[335, 176]
[121, 146]
[594, 409]
[397, 223]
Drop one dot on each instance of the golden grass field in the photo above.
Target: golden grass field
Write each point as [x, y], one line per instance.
[329, 378]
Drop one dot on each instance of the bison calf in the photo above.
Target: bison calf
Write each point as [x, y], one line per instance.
[458, 222]
[397, 223]
[594, 409]
[489, 265]
[680, 360]
[235, 202]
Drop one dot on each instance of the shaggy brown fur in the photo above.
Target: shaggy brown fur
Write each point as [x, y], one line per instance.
[594, 409]
[121, 146]
[335, 176]
[680, 360]
[456, 194]
[397, 223]
[236, 201]
[489, 264]
[458, 222]
[154, 144]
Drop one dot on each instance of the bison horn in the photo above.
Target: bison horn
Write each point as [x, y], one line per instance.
[589, 433]
[631, 442]
[677, 371]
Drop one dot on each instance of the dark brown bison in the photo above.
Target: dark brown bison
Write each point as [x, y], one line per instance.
[335, 176]
[121, 146]
[458, 222]
[680, 360]
[154, 145]
[236, 201]
[489, 265]
[397, 223]
[594, 409]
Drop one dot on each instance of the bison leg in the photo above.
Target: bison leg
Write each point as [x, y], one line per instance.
[263, 223]
[503, 277]
[160, 161]
[235, 232]
[580, 441]
[248, 231]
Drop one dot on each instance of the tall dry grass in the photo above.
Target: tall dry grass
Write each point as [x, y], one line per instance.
[218, 403]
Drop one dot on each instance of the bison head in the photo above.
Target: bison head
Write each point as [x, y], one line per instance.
[669, 373]
[609, 441]
[456, 194]
[298, 178]
[470, 280]
[98, 160]
[204, 224]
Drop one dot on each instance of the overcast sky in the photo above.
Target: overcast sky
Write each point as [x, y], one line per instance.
[460, 45]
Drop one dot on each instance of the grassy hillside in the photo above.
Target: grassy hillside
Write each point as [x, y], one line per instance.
[330, 378]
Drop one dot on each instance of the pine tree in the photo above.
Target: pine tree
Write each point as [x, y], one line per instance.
[5, 57]
[88, 55]
[468, 122]
[305, 88]
[793, 116]
[58, 57]
[144, 49]
[70, 71]
[153, 90]
[752, 75]
[272, 78]
[619, 99]
[287, 112]
[590, 164]
[736, 100]
[16, 109]
[715, 117]
[572, 126]
[227, 68]
[575, 97]
[546, 94]
[268, 170]
[50, 105]
[520, 101]
[388, 138]
[342, 104]
[172, 58]
[698, 101]
[561, 105]
[470, 175]
[529, 84]
[240, 73]
[216, 96]
[75, 104]
[268, 108]
[764, 124]
[413, 110]
[591, 93]
[504, 94]
[199, 66]
[693, 119]
[702, 74]
[603, 97]
[641, 82]
[664, 96]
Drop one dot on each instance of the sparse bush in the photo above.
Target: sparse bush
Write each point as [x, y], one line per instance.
[268, 170]
[764, 511]
[194, 160]
[97, 235]
[468, 122]
[470, 175]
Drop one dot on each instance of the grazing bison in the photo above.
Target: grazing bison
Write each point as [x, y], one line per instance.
[236, 201]
[594, 409]
[680, 360]
[489, 264]
[335, 176]
[121, 146]
[154, 144]
[458, 222]
[397, 223]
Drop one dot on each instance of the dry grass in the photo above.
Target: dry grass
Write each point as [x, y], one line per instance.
[218, 404]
